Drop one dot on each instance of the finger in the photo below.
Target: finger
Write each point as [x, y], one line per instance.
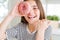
[49, 22]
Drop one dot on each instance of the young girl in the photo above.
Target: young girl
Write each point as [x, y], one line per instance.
[33, 26]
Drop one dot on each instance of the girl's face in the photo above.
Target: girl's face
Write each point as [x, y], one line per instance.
[34, 14]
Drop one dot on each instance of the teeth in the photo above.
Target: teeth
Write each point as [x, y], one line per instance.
[31, 17]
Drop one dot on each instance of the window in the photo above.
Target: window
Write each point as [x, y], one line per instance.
[3, 9]
[53, 9]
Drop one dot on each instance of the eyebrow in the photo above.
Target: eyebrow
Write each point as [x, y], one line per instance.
[35, 6]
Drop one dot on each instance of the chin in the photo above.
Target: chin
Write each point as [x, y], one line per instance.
[31, 22]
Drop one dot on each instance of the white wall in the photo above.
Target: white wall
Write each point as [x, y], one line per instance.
[53, 1]
[53, 7]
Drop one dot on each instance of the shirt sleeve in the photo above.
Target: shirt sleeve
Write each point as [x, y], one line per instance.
[11, 34]
[48, 33]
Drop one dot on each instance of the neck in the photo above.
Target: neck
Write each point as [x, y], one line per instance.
[32, 27]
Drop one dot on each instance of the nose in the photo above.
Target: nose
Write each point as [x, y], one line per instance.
[31, 13]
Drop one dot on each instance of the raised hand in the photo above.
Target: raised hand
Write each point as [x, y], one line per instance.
[43, 24]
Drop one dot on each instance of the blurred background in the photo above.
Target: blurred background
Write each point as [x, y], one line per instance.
[51, 8]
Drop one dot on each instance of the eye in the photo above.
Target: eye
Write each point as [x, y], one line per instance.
[35, 8]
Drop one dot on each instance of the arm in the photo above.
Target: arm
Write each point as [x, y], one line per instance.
[7, 20]
[40, 35]
[47, 34]
[44, 31]
[4, 24]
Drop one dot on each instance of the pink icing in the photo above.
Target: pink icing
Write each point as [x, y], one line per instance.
[24, 8]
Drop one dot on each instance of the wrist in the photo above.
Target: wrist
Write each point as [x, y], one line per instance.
[41, 31]
[40, 35]
[11, 15]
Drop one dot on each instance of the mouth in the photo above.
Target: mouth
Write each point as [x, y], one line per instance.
[31, 17]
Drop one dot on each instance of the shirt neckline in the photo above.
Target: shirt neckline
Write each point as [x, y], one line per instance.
[29, 31]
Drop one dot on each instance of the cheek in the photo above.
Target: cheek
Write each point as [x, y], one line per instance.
[37, 13]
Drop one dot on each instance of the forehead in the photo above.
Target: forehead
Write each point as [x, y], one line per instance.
[31, 2]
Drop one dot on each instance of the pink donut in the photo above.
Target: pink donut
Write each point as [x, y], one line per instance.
[24, 8]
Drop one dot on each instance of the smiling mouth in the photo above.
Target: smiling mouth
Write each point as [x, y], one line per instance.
[32, 17]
